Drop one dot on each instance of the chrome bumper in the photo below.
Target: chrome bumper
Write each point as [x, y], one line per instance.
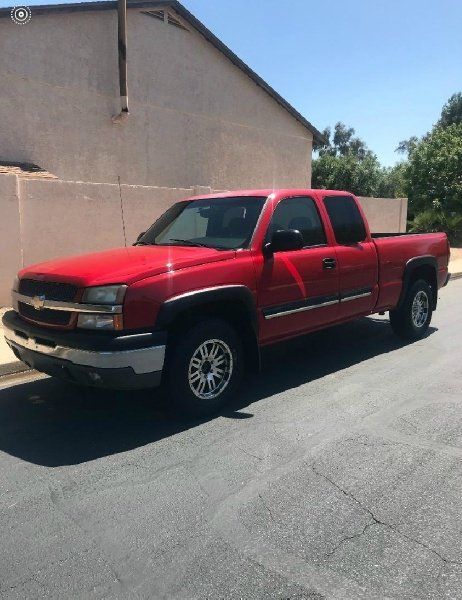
[141, 361]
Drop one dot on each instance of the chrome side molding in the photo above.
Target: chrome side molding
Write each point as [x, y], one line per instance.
[283, 313]
[311, 303]
[348, 298]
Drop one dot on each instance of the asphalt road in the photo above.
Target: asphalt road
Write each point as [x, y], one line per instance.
[338, 474]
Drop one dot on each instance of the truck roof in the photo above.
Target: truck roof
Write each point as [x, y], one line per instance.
[269, 191]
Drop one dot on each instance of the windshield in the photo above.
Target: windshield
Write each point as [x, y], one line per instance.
[221, 223]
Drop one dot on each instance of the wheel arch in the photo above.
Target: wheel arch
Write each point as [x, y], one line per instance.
[420, 267]
[234, 304]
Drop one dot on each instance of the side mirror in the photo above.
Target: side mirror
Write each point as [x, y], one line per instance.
[140, 236]
[285, 239]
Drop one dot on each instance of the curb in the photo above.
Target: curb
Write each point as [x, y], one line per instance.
[13, 367]
[455, 276]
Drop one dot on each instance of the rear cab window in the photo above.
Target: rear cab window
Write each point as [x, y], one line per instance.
[301, 213]
[346, 220]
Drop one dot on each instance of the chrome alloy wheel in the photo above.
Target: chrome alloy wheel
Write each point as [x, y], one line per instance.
[420, 309]
[210, 369]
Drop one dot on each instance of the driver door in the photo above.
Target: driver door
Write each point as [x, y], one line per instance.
[298, 289]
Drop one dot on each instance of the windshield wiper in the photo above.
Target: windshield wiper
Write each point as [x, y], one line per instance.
[190, 243]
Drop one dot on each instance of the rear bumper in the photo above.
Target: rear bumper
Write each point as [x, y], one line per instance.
[112, 361]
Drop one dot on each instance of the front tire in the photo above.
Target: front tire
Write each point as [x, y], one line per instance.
[204, 368]
[411, 320]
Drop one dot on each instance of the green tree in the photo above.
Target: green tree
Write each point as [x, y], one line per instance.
[435, 171]
[407, 146]
[346, 163]
[393, 183]
[452, 111]
[360, 176]
[435, 219]
[342, 143]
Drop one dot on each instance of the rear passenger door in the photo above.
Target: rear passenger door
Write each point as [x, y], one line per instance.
[356, 256]
[298, 289]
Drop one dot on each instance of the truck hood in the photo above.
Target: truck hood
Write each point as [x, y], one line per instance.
[123, 265]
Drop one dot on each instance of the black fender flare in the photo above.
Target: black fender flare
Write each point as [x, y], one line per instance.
[175, 306]
[411, 265]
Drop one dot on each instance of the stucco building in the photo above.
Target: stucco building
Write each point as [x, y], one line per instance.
[200, 120]
[198, 114]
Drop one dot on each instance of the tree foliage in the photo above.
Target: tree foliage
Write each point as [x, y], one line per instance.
[435, 219]
[407, 146]
[346, 163]
[452, 111]
[393, 183]
[430, 176]
[435, 171]
[362, 177]
[343, 143]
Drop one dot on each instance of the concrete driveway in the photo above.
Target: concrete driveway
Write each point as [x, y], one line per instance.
[338, 474]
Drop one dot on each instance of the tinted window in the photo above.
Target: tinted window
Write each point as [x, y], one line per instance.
[346, 219]
[298, 213]
[215, 222]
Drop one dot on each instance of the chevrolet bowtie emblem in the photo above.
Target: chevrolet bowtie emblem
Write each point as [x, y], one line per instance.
[38, 302]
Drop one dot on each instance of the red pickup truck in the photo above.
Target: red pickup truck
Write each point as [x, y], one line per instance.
[210, 283]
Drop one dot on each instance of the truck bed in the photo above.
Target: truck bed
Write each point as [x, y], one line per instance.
[395, 249]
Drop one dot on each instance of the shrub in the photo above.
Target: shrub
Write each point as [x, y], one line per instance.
[434, 219]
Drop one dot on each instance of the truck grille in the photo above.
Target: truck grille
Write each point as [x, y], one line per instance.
[46, 315]
[63, 292]
[50, 289]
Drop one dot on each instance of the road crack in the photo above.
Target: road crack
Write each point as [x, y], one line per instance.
[376, 521]
[249, 453]
[349, 538]
[269, 511]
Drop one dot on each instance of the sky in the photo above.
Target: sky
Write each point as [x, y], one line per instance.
[384, 67]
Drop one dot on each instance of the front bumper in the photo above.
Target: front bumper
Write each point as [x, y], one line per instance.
[129, 361]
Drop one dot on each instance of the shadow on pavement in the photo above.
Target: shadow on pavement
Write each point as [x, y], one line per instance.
[52, 423]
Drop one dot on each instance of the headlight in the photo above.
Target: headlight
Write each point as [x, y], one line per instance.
[16, 284]
[107, 294]
[89, 321]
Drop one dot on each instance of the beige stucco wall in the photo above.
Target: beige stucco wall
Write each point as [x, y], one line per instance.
[62, 218]
[196, 119]
[385, 215]
[42, 219]
[10, 238]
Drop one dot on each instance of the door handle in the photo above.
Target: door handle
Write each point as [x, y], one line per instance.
[329, 263]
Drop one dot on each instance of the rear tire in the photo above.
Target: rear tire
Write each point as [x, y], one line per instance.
[204, 368]
[411, 320]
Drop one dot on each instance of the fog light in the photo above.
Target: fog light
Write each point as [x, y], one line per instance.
[90, 321]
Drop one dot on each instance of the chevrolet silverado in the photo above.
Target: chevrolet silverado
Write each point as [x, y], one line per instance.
[212, 281]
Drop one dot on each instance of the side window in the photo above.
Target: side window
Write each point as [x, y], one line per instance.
[347, 222]
[298, 213]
